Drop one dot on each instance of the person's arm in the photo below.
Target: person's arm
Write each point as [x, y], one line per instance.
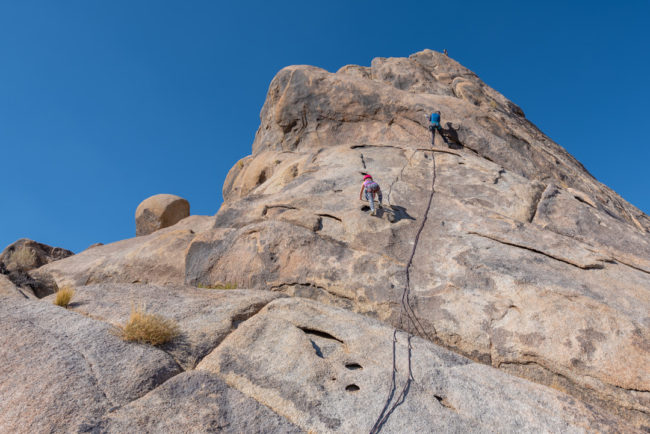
[363, 186]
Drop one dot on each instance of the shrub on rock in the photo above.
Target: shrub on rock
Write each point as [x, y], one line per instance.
[64, 296]
[148, 328]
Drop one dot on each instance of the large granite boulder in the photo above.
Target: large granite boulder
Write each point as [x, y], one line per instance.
[514, 254]
[160, 211]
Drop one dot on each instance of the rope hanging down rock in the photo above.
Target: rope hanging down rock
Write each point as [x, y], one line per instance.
[413, 322]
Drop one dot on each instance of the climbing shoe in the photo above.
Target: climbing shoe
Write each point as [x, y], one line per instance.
[373, 212]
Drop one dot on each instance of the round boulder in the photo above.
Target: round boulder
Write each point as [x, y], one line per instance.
[160, 211]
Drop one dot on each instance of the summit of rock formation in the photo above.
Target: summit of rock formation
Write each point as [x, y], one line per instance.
[500, 288]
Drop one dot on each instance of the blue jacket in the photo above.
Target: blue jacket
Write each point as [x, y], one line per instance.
[435, 119]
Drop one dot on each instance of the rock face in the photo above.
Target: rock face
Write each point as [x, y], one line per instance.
[158, 212]
[329, 370]
[501, 278]
[525, 262]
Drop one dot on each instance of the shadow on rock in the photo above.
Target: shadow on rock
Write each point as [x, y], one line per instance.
[393, 213]
[450, 136]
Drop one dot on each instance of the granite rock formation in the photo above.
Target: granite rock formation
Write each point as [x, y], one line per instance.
[25, 255]
[160, 211]
[525, 262]
[509, 285]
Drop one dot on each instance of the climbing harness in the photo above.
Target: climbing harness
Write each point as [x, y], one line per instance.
[413, 322]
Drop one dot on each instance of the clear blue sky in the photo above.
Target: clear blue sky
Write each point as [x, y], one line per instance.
[104, 103]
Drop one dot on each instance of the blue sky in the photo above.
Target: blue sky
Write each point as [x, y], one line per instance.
[104, 103]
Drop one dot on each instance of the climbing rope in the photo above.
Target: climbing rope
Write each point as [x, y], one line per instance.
[413, 322]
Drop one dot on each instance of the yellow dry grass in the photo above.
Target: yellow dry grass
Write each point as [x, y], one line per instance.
[148, 328]
[227, 285]
[63, 296]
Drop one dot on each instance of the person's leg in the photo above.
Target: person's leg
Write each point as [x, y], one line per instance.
[371, 199]
[381, 199]
[433, 136]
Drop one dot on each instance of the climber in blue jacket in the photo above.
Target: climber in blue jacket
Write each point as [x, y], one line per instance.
[434, 124]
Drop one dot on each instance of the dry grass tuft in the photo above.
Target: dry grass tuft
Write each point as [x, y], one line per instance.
[227, 285]
[63, 296]
[148, 328]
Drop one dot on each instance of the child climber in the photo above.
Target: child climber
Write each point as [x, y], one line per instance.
[370, 187]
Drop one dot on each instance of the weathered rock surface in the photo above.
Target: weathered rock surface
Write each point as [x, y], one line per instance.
[88, 372]
[24, 255]
[156, 258]
[204, 316]
[8, 288]
[61, 371]
[525, 262]
[195, 402]
[158, 212]
[329, 370]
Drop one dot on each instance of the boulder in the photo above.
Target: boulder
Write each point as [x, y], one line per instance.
[158, 212]
[515, 255]
[326, 369]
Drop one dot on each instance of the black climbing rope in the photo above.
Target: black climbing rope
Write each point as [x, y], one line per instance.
[413, 323]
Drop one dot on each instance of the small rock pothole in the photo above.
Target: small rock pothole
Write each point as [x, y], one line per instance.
[352, 388]
[353, 366]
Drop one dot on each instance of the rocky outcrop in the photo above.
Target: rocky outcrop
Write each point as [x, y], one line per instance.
[156, 258]
[158, 212]
[24, 255]
[525, 262]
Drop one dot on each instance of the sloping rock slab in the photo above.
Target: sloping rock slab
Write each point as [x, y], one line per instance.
[7, 288]
[155, 258]
[194, 402]
[62, 371]
[327, 369]
[204, 316]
